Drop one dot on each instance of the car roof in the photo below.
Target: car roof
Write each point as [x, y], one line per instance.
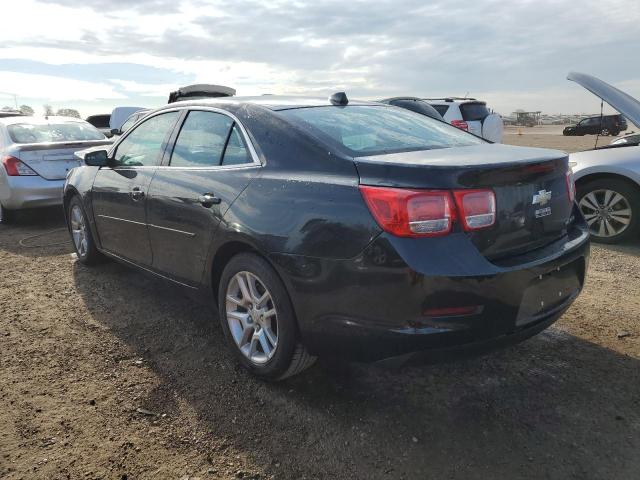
[272, 102]
[454, 100]
[417, 99]
[39, 120]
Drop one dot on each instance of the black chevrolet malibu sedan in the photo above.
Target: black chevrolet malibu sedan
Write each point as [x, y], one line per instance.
[330, 227]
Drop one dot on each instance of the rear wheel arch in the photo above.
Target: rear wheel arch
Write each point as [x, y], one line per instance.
[229, 250]
[222, 257]
[602, 176]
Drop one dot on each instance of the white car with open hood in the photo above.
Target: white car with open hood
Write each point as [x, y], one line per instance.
[608, 177]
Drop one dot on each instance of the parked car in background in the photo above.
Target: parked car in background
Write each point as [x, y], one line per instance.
[129, 122]
[202, 90]
[600, 125]
[36, 154]
[627, 139]
[330, 227]
[101, 122]
[608, 177]
[119, 115]
[471, 115]
[415, 105]
[10, 113]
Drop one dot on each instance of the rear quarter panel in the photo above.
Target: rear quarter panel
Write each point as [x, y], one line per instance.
[624, 161]
[306, 199]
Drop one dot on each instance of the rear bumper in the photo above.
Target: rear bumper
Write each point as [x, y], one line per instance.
[378, 305]
[29, 191]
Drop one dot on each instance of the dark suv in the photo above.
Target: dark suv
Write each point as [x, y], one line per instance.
[602, 125]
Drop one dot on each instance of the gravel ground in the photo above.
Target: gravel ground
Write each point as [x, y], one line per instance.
[107, 373]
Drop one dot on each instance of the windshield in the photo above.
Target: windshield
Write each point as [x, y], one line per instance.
[53, 132]
[373, 130]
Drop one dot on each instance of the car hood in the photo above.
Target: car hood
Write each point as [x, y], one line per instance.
[622, 102]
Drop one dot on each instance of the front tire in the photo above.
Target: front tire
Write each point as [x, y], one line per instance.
[258, 319]
[605, 132]
[81, 236]
[611, 207]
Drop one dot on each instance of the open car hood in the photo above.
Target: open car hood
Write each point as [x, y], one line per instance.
[623, 103]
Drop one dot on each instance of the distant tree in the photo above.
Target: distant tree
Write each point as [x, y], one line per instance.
[48, 110]
[26, 110]
[7, 108]
[68, 112]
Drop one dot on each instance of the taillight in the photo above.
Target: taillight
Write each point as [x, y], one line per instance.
[429, 213]
[410, 213]
[461, 124]
[476, 208]
[571, 185]
[15, 168]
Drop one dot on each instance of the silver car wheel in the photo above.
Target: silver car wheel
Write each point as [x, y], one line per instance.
[79, 231]
[252, 317]
[607, 212]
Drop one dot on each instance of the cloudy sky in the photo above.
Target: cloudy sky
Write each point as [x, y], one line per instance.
[96, 54]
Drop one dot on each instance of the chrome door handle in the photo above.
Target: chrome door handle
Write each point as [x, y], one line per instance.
[136, 193]
[208, 199]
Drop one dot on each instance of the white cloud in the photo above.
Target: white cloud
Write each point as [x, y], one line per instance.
[54, 89]
[517, 53]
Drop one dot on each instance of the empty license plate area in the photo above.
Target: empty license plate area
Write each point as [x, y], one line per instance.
[547, 292]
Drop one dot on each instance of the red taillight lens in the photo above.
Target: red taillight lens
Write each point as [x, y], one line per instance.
[410, 213]
[571, 185]
[476, 208]
[461, 124]
[15, 168]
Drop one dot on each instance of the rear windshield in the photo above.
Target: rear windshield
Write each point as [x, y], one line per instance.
[99, 121]
[474, 111]
[442, 109]
[53, 132]
[375, 130]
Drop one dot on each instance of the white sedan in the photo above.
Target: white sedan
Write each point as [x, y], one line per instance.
[608, 178]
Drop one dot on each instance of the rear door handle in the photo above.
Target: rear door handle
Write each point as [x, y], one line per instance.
[136, 193]
[208, 199]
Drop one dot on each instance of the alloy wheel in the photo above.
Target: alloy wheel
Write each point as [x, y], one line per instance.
[79, 231]
[607, 212]
[252, 317]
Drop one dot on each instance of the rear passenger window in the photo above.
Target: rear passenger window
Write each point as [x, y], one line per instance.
[442, 109]
[236, 152]
[201, 140]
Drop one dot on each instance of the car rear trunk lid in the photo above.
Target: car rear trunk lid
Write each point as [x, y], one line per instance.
[532, 200]
[52, 161]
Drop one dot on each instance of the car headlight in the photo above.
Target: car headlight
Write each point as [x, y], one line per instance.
[573, 164]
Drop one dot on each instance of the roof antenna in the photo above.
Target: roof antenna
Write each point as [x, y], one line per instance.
[600, 129]
[339, 98]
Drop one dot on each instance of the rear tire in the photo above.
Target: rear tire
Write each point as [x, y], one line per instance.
[258, 319]
[6, 216]
[81, 235]
[611, 207]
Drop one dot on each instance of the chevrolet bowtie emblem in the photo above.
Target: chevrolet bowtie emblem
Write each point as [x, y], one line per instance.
[541, 198]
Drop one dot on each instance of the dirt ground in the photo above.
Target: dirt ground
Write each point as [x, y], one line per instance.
[108, 374]
[550, 136]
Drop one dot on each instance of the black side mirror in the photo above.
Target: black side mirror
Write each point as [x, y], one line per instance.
[94, 158]
[115, 131]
